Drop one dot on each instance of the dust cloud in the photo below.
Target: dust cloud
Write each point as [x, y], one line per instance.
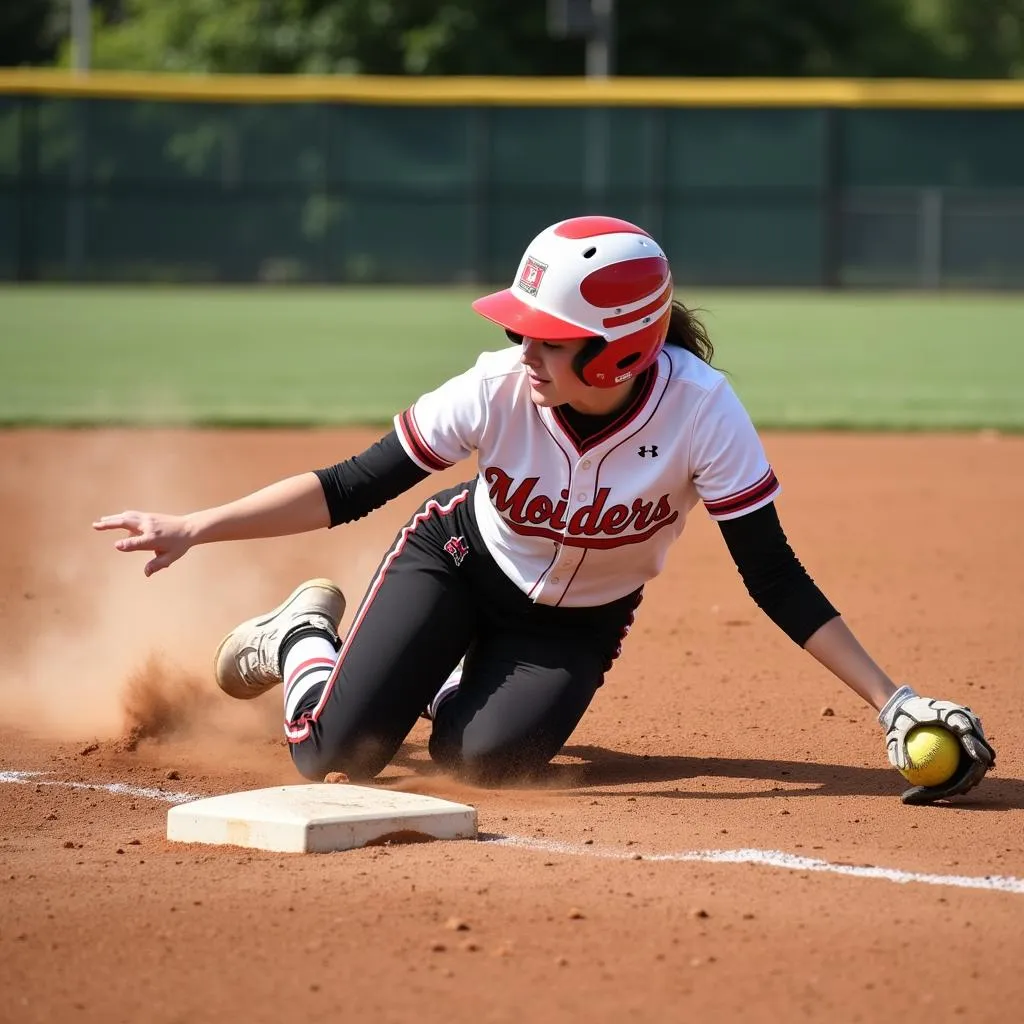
[94, 649]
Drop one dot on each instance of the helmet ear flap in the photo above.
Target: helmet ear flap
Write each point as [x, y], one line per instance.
[617, 361]
[589, 351]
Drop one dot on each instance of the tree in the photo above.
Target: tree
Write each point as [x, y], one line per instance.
[901, 38]
[27, 32]
[976, 38]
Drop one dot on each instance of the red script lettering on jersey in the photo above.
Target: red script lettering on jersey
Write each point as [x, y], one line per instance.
[590, 526]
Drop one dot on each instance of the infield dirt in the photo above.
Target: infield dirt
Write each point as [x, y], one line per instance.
[713, 731]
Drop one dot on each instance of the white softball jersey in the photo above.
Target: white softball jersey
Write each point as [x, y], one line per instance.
[580, 523]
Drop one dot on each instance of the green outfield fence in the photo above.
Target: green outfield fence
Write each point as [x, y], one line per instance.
[123, 177]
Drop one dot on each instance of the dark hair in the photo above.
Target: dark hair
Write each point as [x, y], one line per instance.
[686, 331]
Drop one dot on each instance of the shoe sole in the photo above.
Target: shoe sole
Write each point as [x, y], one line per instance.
[262, 620]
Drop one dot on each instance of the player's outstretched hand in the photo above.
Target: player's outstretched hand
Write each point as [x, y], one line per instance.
[167, 535]
[904, 710]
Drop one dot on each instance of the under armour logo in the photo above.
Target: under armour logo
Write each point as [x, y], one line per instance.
[644, 451]
[457, 548]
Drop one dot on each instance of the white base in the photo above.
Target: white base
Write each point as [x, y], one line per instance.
[318, 818]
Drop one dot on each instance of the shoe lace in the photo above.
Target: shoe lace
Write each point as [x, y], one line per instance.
[258, 662]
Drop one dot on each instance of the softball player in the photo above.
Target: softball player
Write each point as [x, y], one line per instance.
[504, 601]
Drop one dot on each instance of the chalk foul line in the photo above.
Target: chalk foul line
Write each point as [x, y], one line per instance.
[773, 859]
[759, 858]
[118, 788]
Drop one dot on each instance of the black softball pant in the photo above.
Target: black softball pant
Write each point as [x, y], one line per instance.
[530, 670]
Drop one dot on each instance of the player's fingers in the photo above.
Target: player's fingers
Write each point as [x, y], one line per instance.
[966, 778]
[959, 722]
[961, 783]
[156, 564]
[897, 751]
[160, 562]
[139, 542]
[965, 781]
[967, 729]
[119, 521]
[968, 743]
[977, 748]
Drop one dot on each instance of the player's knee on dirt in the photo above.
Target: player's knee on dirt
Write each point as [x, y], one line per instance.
[486, 763]
[361, 760]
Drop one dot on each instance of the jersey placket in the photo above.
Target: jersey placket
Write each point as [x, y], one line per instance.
[568, 557]
[587, 452]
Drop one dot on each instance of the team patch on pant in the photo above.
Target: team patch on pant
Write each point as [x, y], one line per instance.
[457, 548]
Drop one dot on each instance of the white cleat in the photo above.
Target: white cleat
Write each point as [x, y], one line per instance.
[247, 662]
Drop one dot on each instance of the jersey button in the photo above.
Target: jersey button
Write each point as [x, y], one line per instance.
[581, 496]
[585, 463]
[555, 579]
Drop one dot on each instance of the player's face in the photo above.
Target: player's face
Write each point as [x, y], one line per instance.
[553, 380]
[549, 370]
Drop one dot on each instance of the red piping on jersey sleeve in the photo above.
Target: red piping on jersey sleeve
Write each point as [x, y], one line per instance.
[424, 454]
[746, 498]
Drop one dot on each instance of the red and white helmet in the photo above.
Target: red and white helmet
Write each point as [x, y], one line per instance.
[591, 277]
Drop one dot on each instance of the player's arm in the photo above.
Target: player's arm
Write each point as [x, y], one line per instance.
[297, 504]
[781, 587]
[357, 486]
[439, 430]
[293, 505]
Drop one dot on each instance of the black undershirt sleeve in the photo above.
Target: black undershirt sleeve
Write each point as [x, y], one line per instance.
[357, 486]
[773, 575]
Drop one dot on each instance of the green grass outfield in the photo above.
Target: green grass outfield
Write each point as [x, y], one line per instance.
[244, 356]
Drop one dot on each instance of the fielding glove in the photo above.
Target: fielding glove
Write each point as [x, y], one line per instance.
[905, 710]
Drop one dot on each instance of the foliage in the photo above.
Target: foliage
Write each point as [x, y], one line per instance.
[901, 38]
[27, 32]
[976, 38]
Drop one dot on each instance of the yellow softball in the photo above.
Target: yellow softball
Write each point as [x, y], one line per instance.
[934, 755]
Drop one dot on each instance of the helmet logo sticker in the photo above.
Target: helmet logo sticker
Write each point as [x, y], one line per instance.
[532, 275]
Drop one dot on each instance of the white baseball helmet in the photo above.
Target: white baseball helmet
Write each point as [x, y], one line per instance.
[591, 277]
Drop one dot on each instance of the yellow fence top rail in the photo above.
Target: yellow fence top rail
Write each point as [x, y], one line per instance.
[470, 91]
